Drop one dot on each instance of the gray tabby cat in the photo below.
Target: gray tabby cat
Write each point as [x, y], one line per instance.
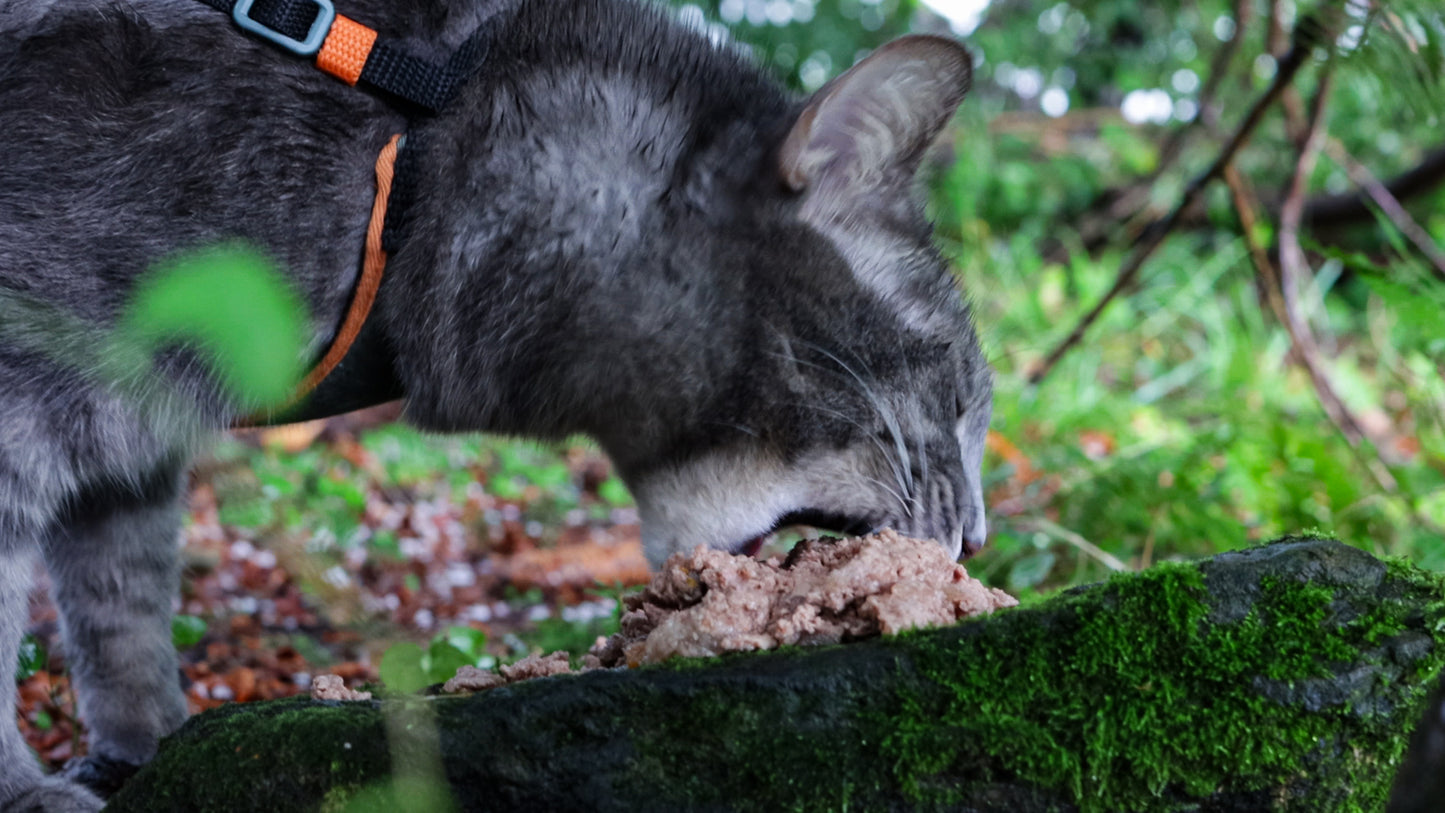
[619, 229]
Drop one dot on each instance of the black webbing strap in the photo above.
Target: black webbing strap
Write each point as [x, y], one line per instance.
[389, 67]
[425, 86]
[421, 83]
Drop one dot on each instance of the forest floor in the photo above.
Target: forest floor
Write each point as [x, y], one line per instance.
[263, 609]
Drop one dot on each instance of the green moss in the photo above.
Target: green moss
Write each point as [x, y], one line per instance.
[1134, 697]
[1153, 691]
[330, 750]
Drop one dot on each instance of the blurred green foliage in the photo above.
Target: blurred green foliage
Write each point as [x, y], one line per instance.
[401, 794]
[232, 304]
[805, 41]
[406, 667]
[321, 496]
[32, 657]
[187, 630]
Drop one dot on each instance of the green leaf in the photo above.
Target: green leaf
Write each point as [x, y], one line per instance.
[229, 303]
[1418, 314]
[386, 543]
[402, 668]
[282, 485]
[614, 493]
[471, 641]
[354, 494]
[187, 630]
[506, 488]
[246, 513]
[551, 477]
[32, 657]
[443, 660]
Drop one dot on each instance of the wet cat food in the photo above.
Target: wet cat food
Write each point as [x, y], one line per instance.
[824, 591]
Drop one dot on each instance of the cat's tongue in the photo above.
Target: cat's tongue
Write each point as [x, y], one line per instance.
[752, 546]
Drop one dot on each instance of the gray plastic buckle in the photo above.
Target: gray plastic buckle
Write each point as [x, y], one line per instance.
[325, 15]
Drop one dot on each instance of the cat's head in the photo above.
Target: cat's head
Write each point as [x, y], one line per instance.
[642, 238]
[859, 398]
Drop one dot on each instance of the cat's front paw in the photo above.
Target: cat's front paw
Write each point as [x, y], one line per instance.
[53, 795]
[102, 775]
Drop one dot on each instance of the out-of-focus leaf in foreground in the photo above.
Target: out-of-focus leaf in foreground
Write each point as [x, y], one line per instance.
[231, 304]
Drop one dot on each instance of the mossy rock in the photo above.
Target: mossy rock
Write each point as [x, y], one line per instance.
[1285, 677]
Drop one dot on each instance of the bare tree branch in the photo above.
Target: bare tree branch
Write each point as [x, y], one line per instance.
[1325, 212]
[1276, 43]
[1275, 39]
[1307, 34]
[1129, 201]
[1057, 531]
[1246, 207]
[1219, 67]
[1366, 180]
[1335, 210]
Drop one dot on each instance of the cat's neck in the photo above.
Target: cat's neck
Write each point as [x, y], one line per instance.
[557, 263]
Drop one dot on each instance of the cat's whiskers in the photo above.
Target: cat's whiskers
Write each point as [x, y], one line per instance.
[898, 460]
[892, 492]
[890, 421]
[922, 463]
[883, 450]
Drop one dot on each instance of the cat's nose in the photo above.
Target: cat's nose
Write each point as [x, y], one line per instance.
[975, 533]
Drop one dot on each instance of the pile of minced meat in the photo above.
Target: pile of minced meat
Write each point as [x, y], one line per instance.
[825, 591]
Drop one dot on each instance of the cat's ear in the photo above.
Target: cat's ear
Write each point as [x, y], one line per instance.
[876, 120]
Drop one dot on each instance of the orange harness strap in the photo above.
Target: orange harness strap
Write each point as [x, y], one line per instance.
[372, 266]
[354, 53]
[371, 269]
[345, 51]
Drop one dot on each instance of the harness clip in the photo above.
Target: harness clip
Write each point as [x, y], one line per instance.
[325, 15]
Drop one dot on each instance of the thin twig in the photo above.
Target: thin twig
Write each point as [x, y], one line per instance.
[1275, 44]
[1219, 66]
[1246, 206]
[1366, 180]
[1325, 213]
[1207, 114]
[1337, 210]
[1292, 269]
[1275, 40]
[1059, 532]
[1307, 35]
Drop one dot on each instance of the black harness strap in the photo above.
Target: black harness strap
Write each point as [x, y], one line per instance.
[299, 26]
